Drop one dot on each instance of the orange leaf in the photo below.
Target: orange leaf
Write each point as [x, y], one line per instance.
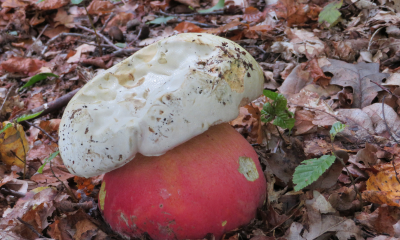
[100, 7]
[187, 27]
[252, 14]
[383, 187]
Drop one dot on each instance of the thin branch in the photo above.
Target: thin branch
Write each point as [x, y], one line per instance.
[101, 35]
[204, 25]
[112, 15]
[390, 132]
[41, 33]
[384, 120]
[54, 105]
[191, 14]
[372, 37]
[289, 217]
[64, 35]
[31, 228]
[386, 89]
[94, 29]
[43, 131]
[66, 188]
[125, 51]
[11, 192]
[5, 99]
[351, 176]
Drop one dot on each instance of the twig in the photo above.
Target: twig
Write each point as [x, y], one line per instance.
[101, 35]
[205, 25]
[372, 37]
[95, 44]
[41, 33]
[289, 217]
[5, 99]
[191, 14]
[351, 177]
[124, 51]
[11, 192]
[386, 89]
[64, 35]
[112, 15]
[384, 120]
[258, 47]
[277, 129]
[390, 132]
[66, 188]
[54, 105]
[31, 228]
[41, 129]
[94, 29]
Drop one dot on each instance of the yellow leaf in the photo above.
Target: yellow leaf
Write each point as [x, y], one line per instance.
[11, 142]
[383, 187]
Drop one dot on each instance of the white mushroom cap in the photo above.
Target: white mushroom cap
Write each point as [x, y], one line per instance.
[158, 98]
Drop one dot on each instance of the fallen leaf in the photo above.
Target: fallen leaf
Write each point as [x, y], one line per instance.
[27, 66]
[185, 27]
[50, 4]
[375, 112]
[383, 187]
[358, 77]
[63, 18]
[98, 7]
[14, 146]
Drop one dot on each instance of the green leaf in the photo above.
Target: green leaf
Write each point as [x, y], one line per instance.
[121, 45]
[5, 127]
[160, 20]
[47, 160]
[76, 1]
[28, 116]
[39, 1]
[37, 78]
[330, 13]
[220, 5]
[14, 33]
[270, 94]
[280, 103]
[310, 170]
[284, 120]
[337, 127]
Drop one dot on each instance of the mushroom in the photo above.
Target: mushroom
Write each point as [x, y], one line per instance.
[163, 108]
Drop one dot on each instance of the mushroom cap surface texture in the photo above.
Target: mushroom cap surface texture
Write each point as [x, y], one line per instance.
[212, 183]
[156, 99]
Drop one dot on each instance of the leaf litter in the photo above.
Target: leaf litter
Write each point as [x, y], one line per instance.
[332, 60]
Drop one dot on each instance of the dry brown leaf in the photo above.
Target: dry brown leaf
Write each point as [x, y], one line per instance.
[63, 18]
[382, 220]
[367, 155]
[191, 3]
[375, 112]
[187, 27]
[98, 7]
[253, 15]
[303, 122]
[26, 66]
[50, 4]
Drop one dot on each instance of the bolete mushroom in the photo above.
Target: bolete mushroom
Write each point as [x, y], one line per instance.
[157, 118]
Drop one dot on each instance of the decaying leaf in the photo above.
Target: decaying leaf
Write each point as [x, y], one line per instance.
[358, 77]
[14, 146]
[383, 187]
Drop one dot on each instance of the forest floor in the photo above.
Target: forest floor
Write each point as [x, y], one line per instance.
[332, 61]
